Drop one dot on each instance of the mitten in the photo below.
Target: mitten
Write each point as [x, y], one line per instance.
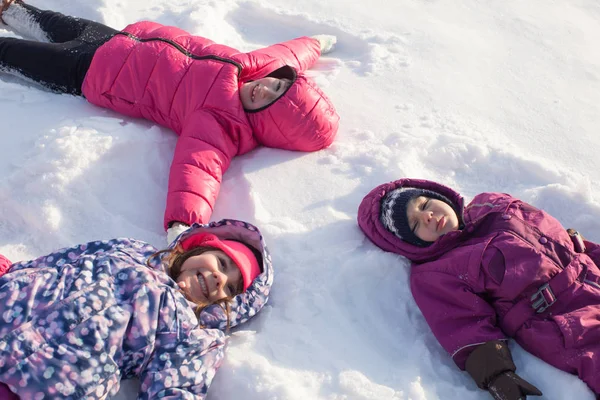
[326, 41]
[492, 368]
[176, 229]
[510, 386]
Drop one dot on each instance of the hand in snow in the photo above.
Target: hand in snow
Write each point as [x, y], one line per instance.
[510, 386]
[327, 42]
[492, 368]
[175, 230]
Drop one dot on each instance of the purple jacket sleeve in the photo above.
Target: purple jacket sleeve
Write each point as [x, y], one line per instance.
[593, 250]
[4, 265]
[5, 392]
[459, 318]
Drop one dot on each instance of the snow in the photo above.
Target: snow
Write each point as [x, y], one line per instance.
[481, 96]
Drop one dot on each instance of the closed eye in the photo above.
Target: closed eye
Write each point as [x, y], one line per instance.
[414, 228]
[422, 207]
[425, 204]
[278, 86]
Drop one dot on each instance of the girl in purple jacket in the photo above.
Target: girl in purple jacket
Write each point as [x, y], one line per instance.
[75, 322]
[494, 269]
[220, 102]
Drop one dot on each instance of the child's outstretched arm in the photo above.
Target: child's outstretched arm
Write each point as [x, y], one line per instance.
[202, 154]
[300, 53]
[465, 325]
[459, 318]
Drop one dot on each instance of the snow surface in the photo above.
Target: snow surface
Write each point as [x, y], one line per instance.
[481, 96]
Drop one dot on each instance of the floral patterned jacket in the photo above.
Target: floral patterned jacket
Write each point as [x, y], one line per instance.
[75, 322]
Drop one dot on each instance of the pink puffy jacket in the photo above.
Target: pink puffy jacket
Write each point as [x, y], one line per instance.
[190, 84]
[4, 266]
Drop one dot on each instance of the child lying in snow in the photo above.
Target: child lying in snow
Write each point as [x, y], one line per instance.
[220, 102]
[494, 269]
[74, 322]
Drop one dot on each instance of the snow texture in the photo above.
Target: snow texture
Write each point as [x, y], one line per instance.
[481, 96]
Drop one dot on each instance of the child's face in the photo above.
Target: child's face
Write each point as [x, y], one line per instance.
[262, 92]
[430, 218]
[209, 277]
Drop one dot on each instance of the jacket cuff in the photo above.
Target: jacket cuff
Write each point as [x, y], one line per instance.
[4, 265]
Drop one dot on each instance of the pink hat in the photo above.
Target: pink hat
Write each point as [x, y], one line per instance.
[241, 255]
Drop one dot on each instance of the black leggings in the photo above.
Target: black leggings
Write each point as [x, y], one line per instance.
[62, 64]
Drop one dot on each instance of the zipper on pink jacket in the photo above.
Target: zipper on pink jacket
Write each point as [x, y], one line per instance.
[184, 51]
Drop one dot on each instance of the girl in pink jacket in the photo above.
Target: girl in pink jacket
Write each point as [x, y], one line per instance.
[494, 269]
[219, 101]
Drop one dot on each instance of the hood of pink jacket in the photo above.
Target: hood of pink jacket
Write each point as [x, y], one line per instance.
[303, 119]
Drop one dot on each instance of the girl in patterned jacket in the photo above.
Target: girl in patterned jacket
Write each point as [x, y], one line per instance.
[75, 322]
[219, 101]
[495, 269]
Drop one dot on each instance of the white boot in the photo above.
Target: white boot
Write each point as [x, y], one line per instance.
[19, 19]
[3, 7]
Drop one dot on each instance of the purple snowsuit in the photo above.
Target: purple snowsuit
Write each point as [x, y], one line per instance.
[511, 271]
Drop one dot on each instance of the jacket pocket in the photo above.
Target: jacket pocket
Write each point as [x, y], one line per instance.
[580, 328]
[578, 314]
[18, 346]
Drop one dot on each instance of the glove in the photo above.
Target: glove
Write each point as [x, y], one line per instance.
[492, 368]
[327, 42]
[176, 229]
[510, 386]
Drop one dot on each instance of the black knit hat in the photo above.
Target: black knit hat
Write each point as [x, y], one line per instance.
[393, 212]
